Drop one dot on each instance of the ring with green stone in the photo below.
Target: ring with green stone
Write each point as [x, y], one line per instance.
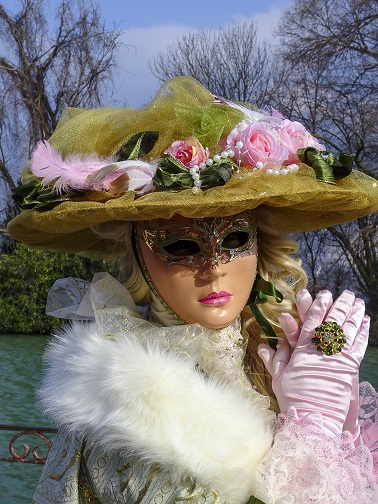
[329, 338]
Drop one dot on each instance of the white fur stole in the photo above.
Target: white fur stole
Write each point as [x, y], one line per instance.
[157, 406]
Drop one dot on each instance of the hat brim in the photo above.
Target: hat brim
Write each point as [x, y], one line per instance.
[296, 202]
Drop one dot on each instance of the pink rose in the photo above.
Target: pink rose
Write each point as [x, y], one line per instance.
[189, 151]
[294, 136]
[261, 143]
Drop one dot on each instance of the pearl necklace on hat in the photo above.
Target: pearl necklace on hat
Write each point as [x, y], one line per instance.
[230, 153]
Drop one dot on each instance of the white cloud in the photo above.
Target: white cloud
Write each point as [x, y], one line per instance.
[266, 24]
[135, 83]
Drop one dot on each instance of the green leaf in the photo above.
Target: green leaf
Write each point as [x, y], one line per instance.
[327, 166]
[217, 174]
[253, 500]
[33, 195]
[343, 167]
[261, 289]
[138, 145]
[26, 277]
[172, 175]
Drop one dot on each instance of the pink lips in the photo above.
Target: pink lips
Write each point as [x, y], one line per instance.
[216, 298]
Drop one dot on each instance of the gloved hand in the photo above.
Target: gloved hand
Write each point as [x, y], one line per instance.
[305, 378]
[292, 330]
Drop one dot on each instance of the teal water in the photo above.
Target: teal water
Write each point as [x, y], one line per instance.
[20, 373]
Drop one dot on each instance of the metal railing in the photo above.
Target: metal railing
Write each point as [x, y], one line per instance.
[25, 433]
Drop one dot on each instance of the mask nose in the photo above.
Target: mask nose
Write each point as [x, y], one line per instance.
[213, 269]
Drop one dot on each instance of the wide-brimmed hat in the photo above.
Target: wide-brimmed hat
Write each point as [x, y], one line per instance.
[186, 153]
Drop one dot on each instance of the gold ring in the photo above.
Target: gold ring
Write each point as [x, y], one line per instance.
[329, 338]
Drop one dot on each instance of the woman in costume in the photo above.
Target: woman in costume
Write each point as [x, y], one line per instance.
[161, 395]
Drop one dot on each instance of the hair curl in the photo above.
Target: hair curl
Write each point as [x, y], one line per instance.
[277, 264]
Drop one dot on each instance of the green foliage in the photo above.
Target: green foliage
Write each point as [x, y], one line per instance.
[253, 500]
[26, 276]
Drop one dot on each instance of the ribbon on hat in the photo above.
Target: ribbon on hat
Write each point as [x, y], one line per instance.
[172, 175]
[33, 195]
[260, 292]
[327, 166]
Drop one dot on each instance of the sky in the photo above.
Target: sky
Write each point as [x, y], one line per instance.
[148, 26]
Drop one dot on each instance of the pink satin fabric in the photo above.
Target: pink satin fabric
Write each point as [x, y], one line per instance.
[310, 381]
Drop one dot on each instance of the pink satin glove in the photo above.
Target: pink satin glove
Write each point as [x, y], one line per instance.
[305, 378]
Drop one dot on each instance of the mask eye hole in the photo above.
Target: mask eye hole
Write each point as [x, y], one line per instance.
[182, 248]
[235, 240]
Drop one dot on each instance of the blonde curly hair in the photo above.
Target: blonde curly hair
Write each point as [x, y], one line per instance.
[276, 264]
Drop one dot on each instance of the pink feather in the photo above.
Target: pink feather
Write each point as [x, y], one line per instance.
[88, 172]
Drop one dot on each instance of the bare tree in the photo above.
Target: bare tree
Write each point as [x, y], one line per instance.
[229, 61]
[47, 63]
[329, 52]
[358, 241]
[335, 29]
[319, 266]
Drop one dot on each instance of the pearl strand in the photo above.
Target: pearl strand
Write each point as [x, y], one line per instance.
[230, 153]
[278, 171]
[195, 170]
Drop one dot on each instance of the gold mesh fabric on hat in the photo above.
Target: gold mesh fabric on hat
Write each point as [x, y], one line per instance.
[183, 107]
[296, 202]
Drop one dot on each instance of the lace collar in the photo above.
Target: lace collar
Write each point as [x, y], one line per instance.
[218, 352]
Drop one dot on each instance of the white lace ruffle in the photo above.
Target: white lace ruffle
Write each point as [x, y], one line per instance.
[218, 352]
[305, 467]
[368, 415]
